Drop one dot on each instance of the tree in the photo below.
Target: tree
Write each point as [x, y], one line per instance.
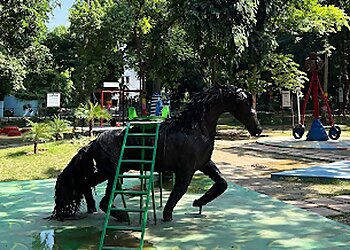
[39, 132]
[90, 112]
[340, 41]
[58, 126]
[12, 73]
[279, 26]
[22, 24]
[219, 31]
[63, 62]
[226, 38]
[99, 29]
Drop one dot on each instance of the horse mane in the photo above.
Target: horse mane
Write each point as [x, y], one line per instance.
[71, 183]
[200, 103]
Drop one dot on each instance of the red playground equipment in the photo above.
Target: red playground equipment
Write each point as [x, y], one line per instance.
[317, 132]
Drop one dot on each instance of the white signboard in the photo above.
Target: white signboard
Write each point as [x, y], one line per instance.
[53, 100]
[286, 99]
[110, 84]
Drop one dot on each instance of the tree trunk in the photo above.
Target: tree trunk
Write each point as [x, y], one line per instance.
[35, 147]
[138, 52]
[90, 127]
[156, 85]
[213, 73]
[344, 74]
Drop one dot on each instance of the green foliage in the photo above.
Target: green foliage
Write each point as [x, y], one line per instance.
[99, 29]
[183, 45]
[22, 23]
[310, 15]
[22, 26]
[58, 126]
[62, 48]
[12, 73]
[278, 71]
[39, 132]
[251, 80]
[90, 112]
[284, 72]
[219, 31]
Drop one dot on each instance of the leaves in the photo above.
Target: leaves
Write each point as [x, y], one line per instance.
[22, 26]
[39, 132]
[58, 126]
[91, 111]
[284, 72]
[12, 73]
[310, 15]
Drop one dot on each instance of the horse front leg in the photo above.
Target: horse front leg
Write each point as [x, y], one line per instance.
[220, 185]
[182, 181]
[93, 181]
[119, 215]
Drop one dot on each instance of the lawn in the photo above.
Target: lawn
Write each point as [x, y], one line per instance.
[21, 164]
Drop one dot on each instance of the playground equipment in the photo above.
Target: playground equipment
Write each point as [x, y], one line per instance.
[116, 103]
[11, 131]
[317, 132]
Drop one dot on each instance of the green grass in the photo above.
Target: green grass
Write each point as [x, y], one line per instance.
[21, 164]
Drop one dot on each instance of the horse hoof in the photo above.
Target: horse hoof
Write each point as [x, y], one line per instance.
[196, 203]
[121, 216]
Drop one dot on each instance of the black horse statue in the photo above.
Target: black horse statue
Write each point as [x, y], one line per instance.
[185, 145]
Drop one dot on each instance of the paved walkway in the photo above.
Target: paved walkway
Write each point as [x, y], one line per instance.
[256, 176]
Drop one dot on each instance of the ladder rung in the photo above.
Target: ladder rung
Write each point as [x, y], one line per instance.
[141, 134]
[119, 248]
[134, 176]
[129, 209]
[131, 192]
[136, 161]
[125, 228]
[146, 122]
[139, 147]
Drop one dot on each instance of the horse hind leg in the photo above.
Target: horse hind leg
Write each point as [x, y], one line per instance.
[219, 186]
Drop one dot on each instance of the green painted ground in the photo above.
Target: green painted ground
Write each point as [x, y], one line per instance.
[239, 219]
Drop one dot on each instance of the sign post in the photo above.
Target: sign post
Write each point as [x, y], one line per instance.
[53, 100]
[286, 104]
[286, 99]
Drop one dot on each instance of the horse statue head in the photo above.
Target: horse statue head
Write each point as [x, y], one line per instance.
[242, 109]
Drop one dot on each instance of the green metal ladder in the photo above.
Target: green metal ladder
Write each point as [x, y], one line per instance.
[146, 187]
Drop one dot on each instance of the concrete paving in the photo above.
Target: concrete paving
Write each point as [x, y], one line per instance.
[239, 219]
[293, 193]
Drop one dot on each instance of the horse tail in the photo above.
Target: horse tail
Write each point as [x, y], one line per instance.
[72, 183]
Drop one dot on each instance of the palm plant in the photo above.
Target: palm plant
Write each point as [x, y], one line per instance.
[90, 112]
[39, 132]
[58, 126]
